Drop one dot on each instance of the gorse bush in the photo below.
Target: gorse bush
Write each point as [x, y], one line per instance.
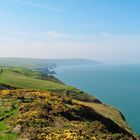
[41, 115]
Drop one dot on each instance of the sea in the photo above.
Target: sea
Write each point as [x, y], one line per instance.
[116, 85]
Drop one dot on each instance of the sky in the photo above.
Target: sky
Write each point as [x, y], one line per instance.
[104, 30]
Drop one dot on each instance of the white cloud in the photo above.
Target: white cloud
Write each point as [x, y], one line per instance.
[38, 5]
[50, 8]
[53, 34]
[64, 36]
[50, 35]
[105, 34]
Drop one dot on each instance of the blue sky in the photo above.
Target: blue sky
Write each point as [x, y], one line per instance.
[106, 30]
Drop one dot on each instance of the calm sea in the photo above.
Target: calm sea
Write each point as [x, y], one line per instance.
[118, 86]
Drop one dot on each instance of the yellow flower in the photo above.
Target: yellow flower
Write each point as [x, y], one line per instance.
[93, 138]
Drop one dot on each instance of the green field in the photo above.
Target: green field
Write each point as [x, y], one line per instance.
[23, 78]
[8, 108]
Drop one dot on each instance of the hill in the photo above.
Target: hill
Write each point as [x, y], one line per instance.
[41, 115]
[36, 106]
[23, 78]
[44, 63]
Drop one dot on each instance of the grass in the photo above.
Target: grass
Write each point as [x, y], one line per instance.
[8, 108]
[23, 78]
[5, 133]
[108, 112]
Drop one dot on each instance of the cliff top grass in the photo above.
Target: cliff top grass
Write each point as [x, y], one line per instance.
[24, 78]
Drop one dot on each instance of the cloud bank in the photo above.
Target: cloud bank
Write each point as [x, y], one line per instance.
[104, 46]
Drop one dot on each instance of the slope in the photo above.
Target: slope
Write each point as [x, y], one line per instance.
[41, 115]
[23, 78]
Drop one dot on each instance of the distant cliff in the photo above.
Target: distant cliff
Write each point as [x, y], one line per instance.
[51, 63]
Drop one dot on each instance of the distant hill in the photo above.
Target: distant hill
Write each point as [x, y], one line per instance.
[70, 62]
[38, 63]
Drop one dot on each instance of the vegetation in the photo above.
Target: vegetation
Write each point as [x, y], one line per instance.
[36, 106]
[23, 78]
[38, 115]
[8, 108]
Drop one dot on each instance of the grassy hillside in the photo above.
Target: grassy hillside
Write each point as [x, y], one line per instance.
[19, 79]
[38, 106]
[41, 115]
[108, 112]
[23, 78]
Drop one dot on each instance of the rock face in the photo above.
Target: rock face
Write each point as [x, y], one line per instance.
[41, 115]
